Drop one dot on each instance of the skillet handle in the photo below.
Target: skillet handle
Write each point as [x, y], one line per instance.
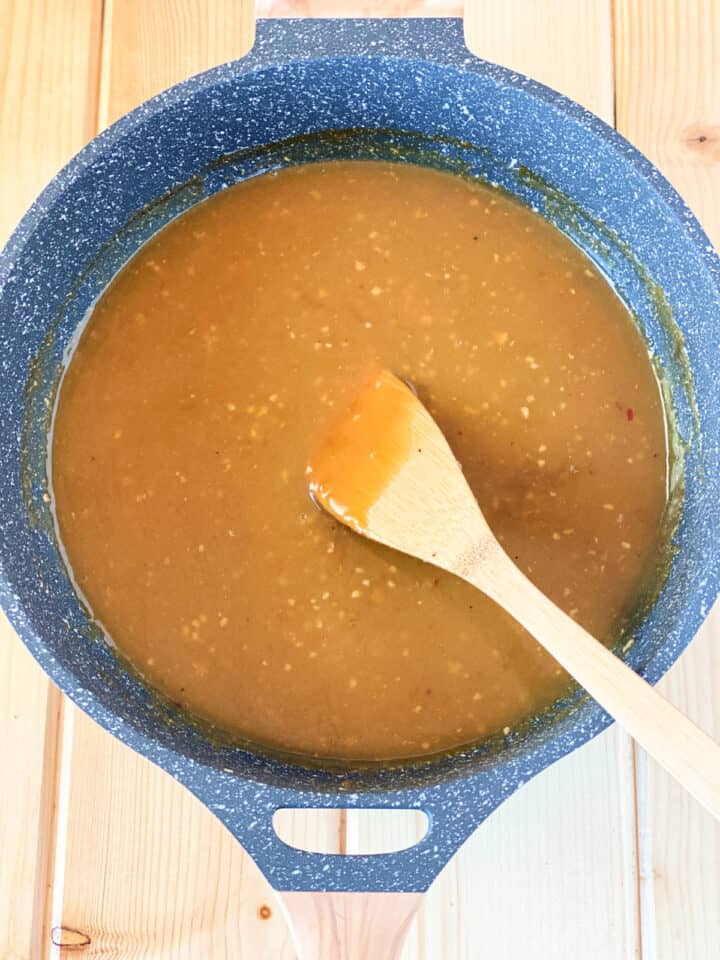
[349, 926]
[454, 810]
[411, 870]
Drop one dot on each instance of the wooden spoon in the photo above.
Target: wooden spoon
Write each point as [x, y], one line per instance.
[387, 472]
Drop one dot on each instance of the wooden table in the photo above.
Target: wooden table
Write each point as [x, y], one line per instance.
[104, 856]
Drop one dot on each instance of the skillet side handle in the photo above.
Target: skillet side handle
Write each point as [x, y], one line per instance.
[349, 926]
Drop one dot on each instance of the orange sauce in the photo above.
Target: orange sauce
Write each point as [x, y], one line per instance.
[222, 352]
[361, 453]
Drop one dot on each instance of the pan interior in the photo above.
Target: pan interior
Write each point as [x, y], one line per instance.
[158, 717]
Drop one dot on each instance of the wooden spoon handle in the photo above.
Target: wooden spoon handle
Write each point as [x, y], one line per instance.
[669, 736]
[349, 926]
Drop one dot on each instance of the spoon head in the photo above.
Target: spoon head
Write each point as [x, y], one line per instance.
[386, 470]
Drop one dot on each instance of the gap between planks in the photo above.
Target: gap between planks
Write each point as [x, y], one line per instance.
[48, 56]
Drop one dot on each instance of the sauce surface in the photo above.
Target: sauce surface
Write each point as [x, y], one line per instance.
[220, 354]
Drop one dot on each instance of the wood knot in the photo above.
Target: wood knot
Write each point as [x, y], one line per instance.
[264, 912]
[703, 139]
[69, 938]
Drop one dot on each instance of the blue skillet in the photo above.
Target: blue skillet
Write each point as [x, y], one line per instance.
[407, 90]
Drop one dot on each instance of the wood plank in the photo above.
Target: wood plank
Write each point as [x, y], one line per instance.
[149, 45]
[25, 699]
[553, 873]
[148, 872]
[668, 92]
[679, 841]
[491, 900]
[143, 869]
[48, 90]
[48, 94]
[359, 8]
[564, 44]
[668, 88]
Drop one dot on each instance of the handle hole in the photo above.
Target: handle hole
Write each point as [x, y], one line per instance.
[354, 832]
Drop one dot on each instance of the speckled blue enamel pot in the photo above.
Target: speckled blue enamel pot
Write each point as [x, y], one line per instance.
[407, 90]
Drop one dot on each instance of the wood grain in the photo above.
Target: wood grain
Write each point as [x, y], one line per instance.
[25, 701]
[667, 63]
[563, 43]
[349, 926]
[668, 103]
[148, 45]
[679, 841]
[359, 8]
[551, 876]
[147, 872]
[49, 54]
[48, 86]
